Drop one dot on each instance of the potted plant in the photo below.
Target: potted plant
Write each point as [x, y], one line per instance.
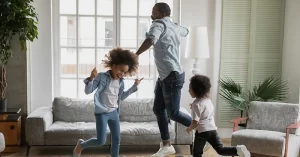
[271, 89]
[17, 19]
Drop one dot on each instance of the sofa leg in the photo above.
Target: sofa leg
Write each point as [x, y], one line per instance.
[191, 148]
[27, 150]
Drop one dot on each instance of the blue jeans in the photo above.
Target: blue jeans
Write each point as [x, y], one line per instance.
[112, 119]
[167, 103]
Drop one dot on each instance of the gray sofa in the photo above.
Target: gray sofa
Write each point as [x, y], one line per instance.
[71, 119]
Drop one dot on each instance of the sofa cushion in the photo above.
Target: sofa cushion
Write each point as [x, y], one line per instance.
[265, 142]
[143, 133]
[137, 110]
[132, 133]
[80, 110]
[67, 133]
[73, 110]
[263, 116]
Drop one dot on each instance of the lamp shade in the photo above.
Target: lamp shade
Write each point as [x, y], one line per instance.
[197, 43]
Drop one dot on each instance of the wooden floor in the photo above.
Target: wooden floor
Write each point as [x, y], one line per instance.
[126, 151]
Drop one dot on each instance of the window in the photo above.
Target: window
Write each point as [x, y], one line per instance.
[85, 30]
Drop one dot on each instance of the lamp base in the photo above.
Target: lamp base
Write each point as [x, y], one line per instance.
[195, 69]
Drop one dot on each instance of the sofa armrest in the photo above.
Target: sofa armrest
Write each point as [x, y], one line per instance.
[36, 124]
[295, 125]
[182, 137]
[236, 122]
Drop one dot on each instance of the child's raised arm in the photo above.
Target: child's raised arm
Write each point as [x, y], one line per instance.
[132, 89]
[92, 82]
[138, 81]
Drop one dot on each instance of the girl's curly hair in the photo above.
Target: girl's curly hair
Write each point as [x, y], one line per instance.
[200, 85]
[119, 56]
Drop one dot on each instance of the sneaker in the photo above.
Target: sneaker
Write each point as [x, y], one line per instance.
[164, 151]
[74, 152]
[242, 151]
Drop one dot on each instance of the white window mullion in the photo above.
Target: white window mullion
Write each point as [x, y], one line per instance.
[117, 22]
[85, 47]
[82, 15]
[96, 32]
[74, 47]
[137, 33]
[56, 48]
[176, 15]
[137, 24]
[77, 53]
[131, 16]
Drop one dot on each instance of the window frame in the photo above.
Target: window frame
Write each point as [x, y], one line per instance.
[117, 40]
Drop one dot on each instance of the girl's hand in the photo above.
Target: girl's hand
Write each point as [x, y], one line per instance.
[188, 130]
[138, 81]
[94, 73]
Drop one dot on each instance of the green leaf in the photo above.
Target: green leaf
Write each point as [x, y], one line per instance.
[17, 17]
[230, 85]
[271, 89]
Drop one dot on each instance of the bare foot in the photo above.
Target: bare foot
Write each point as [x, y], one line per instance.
[78, 148]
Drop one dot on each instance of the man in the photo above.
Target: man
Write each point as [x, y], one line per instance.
[165, 35]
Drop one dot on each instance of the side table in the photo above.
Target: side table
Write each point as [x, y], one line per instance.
[10, 126]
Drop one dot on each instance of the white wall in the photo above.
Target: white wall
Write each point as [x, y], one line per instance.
[291, 49]
[204, 13]
[40, 54]
[193, 13]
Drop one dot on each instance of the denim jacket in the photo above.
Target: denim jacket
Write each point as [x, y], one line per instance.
[100, 83]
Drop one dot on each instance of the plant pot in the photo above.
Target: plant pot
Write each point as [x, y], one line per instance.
[242, 126]
[3, 105]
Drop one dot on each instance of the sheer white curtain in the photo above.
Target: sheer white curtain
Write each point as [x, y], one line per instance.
[39, 69]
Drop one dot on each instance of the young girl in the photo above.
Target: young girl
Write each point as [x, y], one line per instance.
[110, 91]
[204, 123]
